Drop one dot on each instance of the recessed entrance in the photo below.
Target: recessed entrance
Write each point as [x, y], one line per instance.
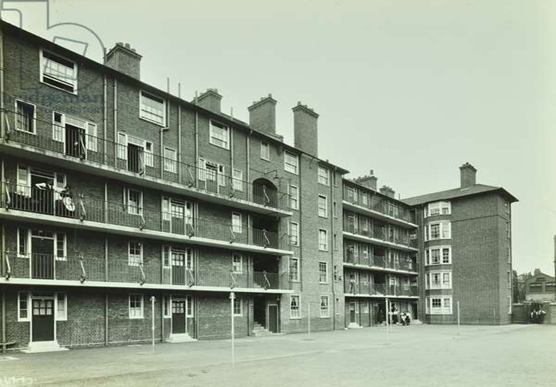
[178, 316]
[43, 319]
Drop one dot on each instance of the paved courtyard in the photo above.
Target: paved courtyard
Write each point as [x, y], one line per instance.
[515, 355]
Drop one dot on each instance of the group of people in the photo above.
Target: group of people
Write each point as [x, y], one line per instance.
[402, 318]
[537, 316]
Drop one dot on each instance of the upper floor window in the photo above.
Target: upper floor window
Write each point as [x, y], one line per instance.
[323, 206]
[153, 108]
[265, 151]
[237, 226]
[219, 135]
[25, 117]
[439, 230]
[324, 176]
[294, 197]
[441, 255]
[237, 263]
[133, 200]
[58, 72]
[438, 208]
[294, 233]
[135, 254]
[323, 240]
[291, 162]
[294, 269]
[170, 160]
[323, 272]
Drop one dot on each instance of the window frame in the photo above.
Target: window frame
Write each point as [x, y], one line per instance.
[327, 313]
[167, 306]
[234, 266]
[130, 262]
[33, 118]
[42, 74]
[27, 306]
[265, 155]
[237, 228]
[145, 94]
[214, 139]
[64, 236]
[323, 247]
[170, 163]
[289, 166]
[142, 307]
[324, 179]
[297, 266]
[297, 315]
[292, 234]
[27, 242]
[326, 276]
[325, 208]
[237, 179]
[238, 305]
[296, 198]
[64, 315]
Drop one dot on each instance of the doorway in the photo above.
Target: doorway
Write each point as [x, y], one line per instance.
[178, 316]
[42, 319]
[135, 158]
[352, 313]
[75, 142]
[259, 311]
[273, 317]
[42, 254]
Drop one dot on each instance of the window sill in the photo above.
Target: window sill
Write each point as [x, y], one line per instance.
[152, 122]
[34, 132]
[59, 88]
[219, 146]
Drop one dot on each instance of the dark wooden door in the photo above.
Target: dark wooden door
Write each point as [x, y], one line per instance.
[43, 319]
[134, 158]
[75, 141]
[178, 316]
[273, 318]
[178, 268]
[42, 258]
[178, 215]
[352, 317]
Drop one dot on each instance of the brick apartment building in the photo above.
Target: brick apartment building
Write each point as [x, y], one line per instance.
[114, 192]
[540, 287]
[380, 254]
[465, 252]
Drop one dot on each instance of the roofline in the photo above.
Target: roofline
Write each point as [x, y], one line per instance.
[375, 191]
[102, 67]
[501, 190]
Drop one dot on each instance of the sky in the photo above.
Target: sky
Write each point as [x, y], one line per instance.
[410, 89]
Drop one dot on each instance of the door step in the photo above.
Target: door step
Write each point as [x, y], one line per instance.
[43, 346]
[354, 326]
[180, 338]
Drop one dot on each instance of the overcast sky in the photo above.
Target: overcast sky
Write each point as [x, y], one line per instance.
[411, 89]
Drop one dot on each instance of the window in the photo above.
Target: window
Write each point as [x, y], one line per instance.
[135, 254]
[237, 263]
[61, 307]
[237, 180]
[446, 255]
[25, 117]
[238, 306]
[294, 269]
[438, 208]
[323, 240]
[323, 272]
[134, 201]
[294, 233]
[508, 230]
[23, 181]
[295, 309]
[446, 280]
[170, 160]
[324, 176]
[435, 231]
[209, 171]
[335, 209]
[167, 305]
[294, 197]
[58, 72]
[23, 306]
[435, 256]
[189, 302]
[265, 151]
[61, 246]
[219, 135]
[324, 307]
[507, 207]
[291, 162]
[440, 230]
[237, 226]
[323, 206]
[438, 280]
[135, 306]
[166, 251]
[152, 108]
[23, 242]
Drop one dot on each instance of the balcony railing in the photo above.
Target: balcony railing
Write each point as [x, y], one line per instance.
[92, 269]
[374, 289]
[49, 202]
[378, 204]
[377, 232]
[378, 261]
[81, 146]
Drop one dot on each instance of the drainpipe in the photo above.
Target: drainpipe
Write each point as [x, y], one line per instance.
[2, 113]
[179, 140]
[196, 163]
[162, 130]
[332, 250]
[104, 119]
[115, 121]
[3, 287]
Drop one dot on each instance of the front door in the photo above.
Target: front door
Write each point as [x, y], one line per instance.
[134, 158]
[43, 319]
[42, 255]
[273, 318]
[352, 317]
[178, 316]
[178, 267]
[177, 211]
[42, 193]
[75, 141]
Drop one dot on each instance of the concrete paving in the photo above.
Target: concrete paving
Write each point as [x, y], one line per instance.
[424, 355]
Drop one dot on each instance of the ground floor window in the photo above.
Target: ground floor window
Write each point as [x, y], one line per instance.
[295, 310]
[439, 305]
[22, 306]
[324, 307]
[238, 306]
[167, 306]
[135, 306]
[61, 306]
[189, 306]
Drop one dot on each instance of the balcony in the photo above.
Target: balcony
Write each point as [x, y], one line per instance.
[379, 236]
[362, 289]
[136, 164]
[378, 262]
[378, 207]
[47, 206]
[45, 269]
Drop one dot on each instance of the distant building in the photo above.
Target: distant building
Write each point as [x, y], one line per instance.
[540, 287]
[465, 252]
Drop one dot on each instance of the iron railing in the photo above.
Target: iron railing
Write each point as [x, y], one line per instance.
[378, 289]
[377, 232]
[93, 269]
[81, 146]
[371, 260]
[50, 202]
[377, 203]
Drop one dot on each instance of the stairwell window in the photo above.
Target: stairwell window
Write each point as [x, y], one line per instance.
[23, 242]
[58, 72]
[170, 160]
[323, 240]
[324, 306]
[324, 176]
[295, 309]
[294, 269]
[219, 135]
[237, 226]
[25, 117]
[237, 264]
[152, 108]
[291, 162]
[135, 254]
[323, 206]
[135, 306]
[294, 197]
[294, 233]
[323, 272]
[265, 151]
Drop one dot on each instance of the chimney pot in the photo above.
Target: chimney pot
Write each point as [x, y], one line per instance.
[388, 191]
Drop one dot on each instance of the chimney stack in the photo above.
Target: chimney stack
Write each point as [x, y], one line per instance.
[385, 190]
[262, 115]
[368, 181]
[305, 129]
[537, 272]
[209, 100]
[468, 175]
[124, 59]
